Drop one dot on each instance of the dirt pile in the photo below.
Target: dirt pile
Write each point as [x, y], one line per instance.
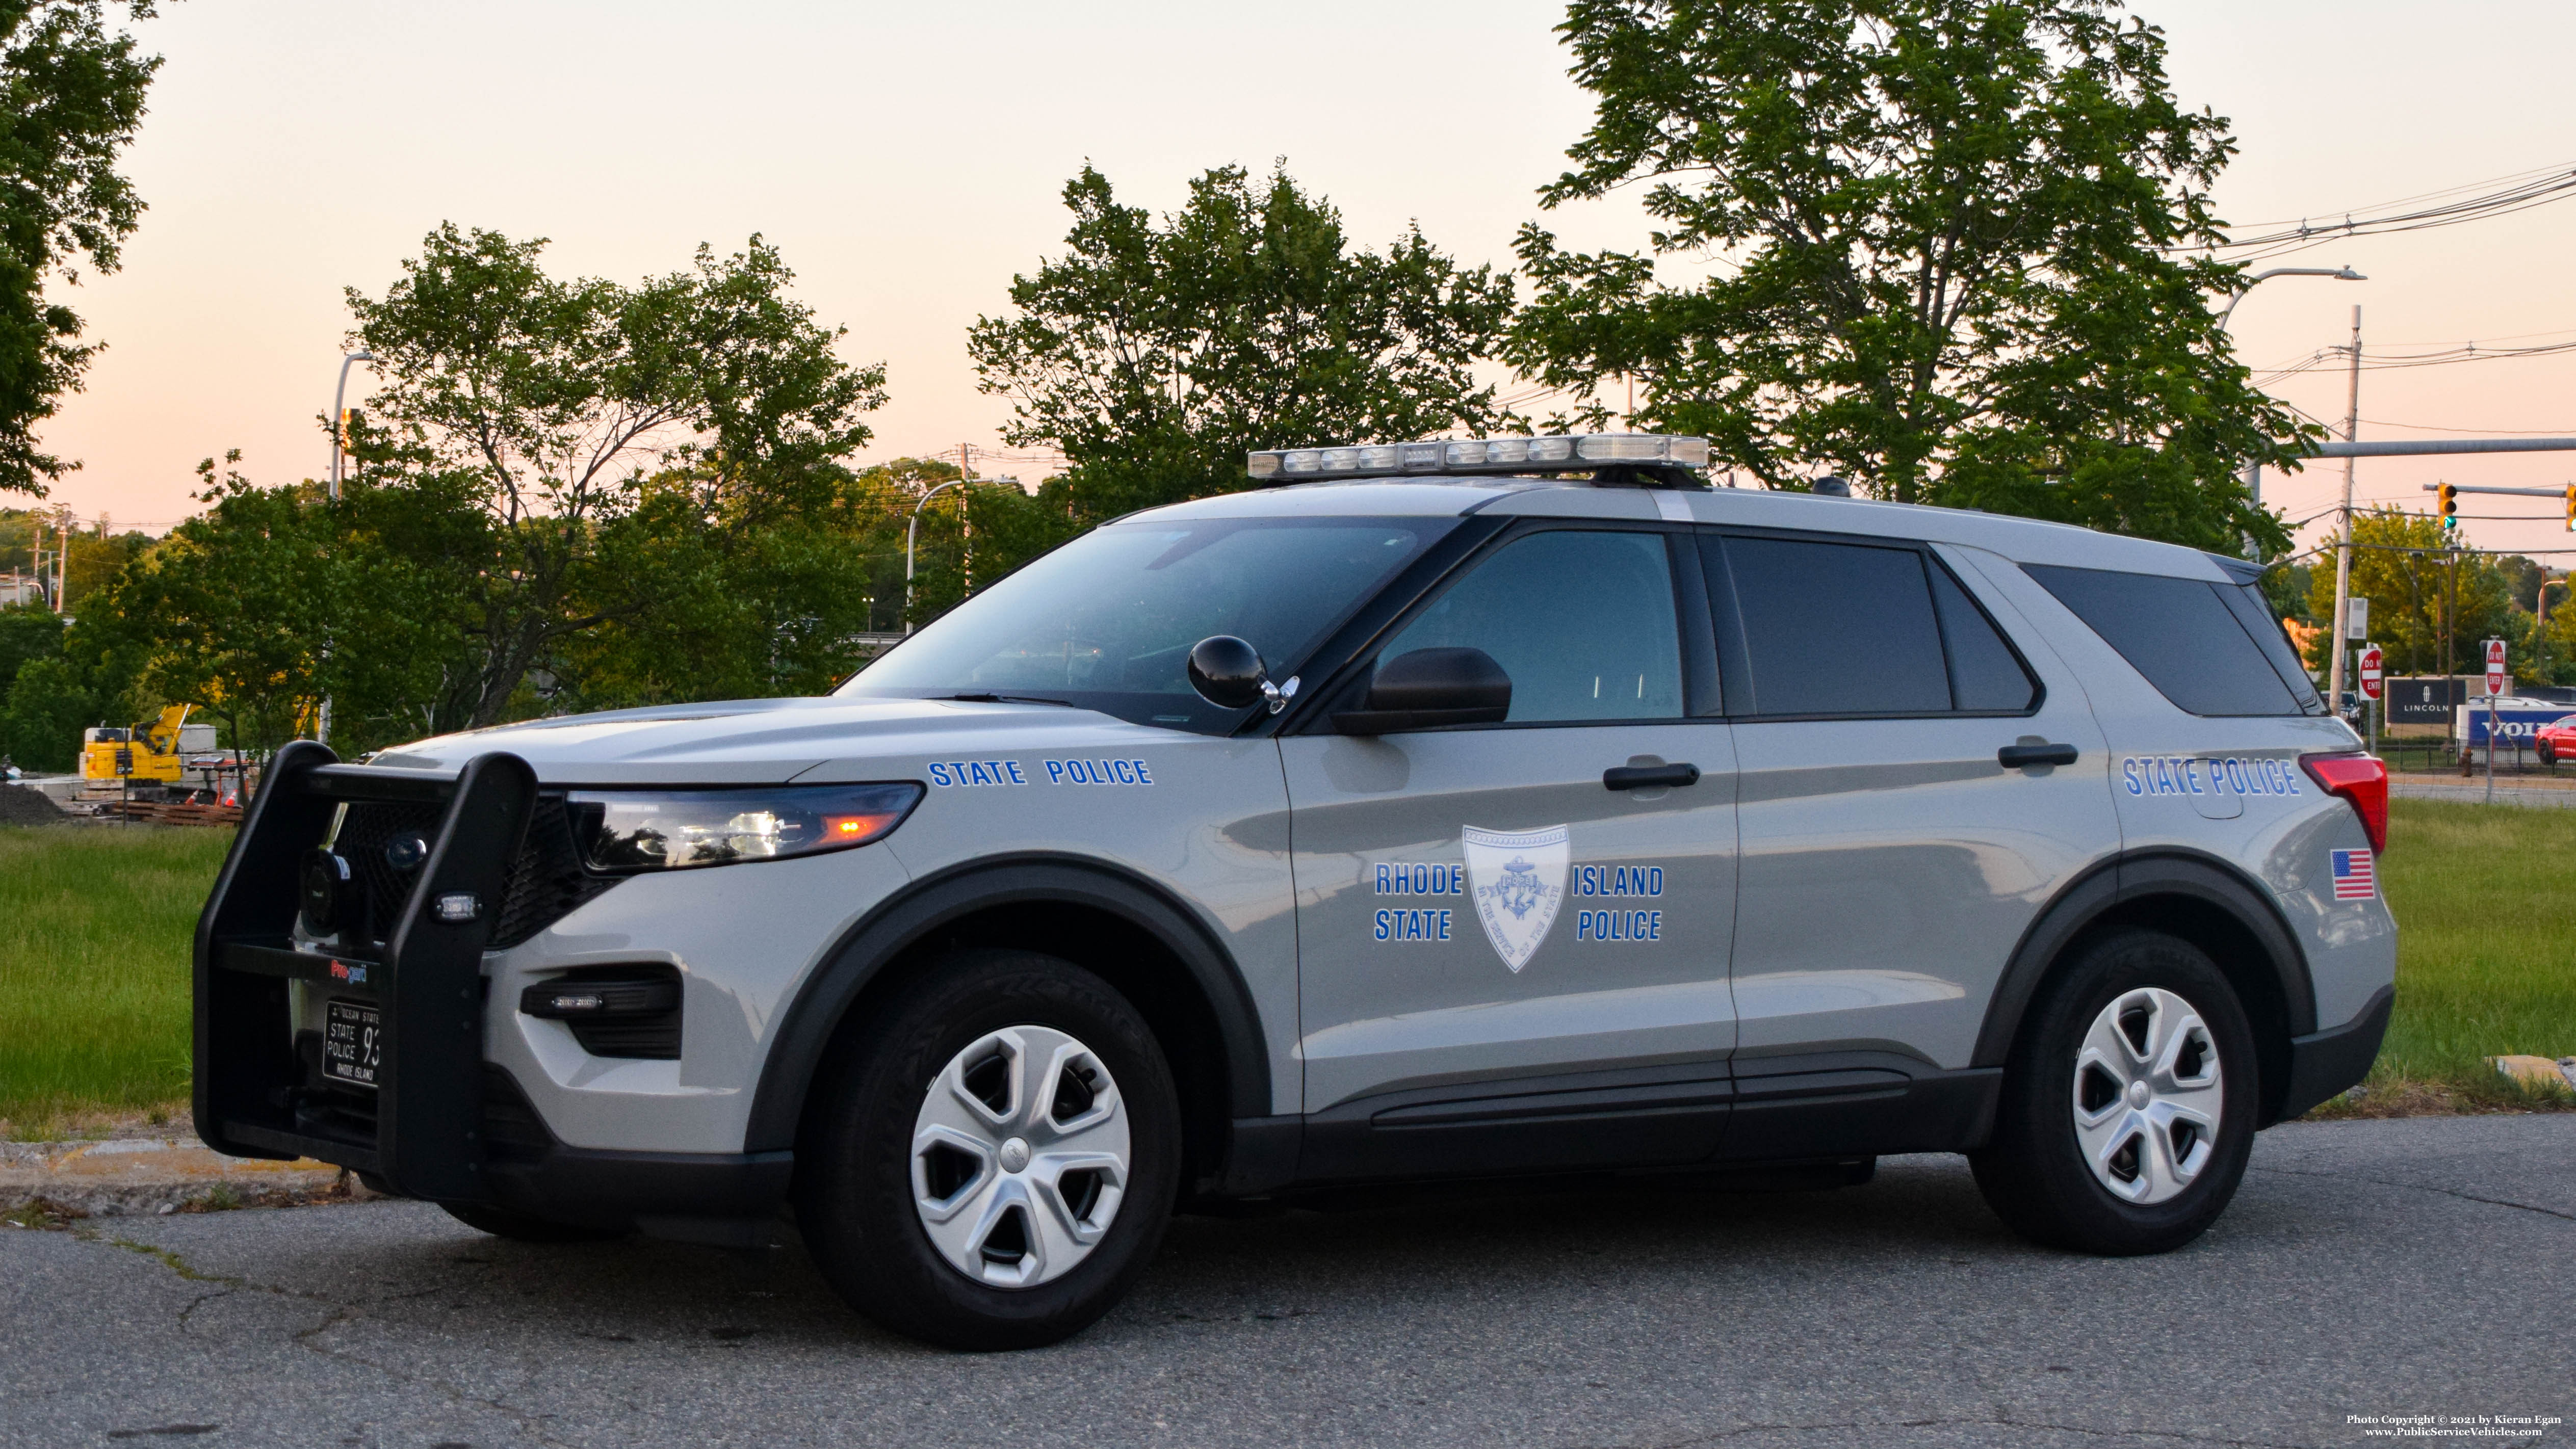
[20, 805]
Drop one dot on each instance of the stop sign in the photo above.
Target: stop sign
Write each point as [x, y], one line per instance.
[2371, 660]
[2495, 666]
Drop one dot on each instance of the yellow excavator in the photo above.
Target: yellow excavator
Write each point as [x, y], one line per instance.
[142, 753]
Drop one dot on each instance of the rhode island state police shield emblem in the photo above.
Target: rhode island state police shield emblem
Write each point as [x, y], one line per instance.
[1519, 881]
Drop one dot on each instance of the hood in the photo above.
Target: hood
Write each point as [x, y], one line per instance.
[763, 741]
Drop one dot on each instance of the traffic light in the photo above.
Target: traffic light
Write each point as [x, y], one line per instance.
[2450, 500]
[2571, 508]
[351, 421]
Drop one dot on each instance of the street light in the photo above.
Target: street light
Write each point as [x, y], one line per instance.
[339, 396]
[911, 531]
[2540, 627]
[2254, 471]
[2340, 274]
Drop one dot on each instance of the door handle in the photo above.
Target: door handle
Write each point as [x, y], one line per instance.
[2020, 757]
[1639, 777]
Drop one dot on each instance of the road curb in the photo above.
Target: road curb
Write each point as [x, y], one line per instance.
[127, 1176]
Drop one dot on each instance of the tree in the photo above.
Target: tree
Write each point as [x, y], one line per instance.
[553, 407]
[1155, 356]
[42, 717]
[27, 632]
[274, 598]
[74, 100]
[1948, 253]
[2414, 585]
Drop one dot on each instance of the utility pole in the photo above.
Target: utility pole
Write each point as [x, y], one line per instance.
[2450, 622]
[62, 553]
[2343, 543]
[966, 518]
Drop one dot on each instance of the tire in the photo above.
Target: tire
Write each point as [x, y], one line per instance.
[2074, 1097]
[944, 1117]
[518, 1227]
[2548, 752]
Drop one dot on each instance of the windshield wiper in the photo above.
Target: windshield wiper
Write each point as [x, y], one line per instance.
[1006, 699]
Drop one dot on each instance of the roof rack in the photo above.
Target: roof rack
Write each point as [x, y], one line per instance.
[1642, 459]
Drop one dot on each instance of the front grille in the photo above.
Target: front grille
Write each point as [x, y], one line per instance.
[545, 883]
[370, 827]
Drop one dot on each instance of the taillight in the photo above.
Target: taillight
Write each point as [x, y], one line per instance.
[2361, 780]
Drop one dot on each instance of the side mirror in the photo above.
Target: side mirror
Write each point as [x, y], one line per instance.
[1228, 673]
[1429, 688]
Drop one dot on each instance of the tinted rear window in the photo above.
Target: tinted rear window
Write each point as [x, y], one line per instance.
[2184, 635]
[1985, 675]
[2254, 611]
[1830, 628]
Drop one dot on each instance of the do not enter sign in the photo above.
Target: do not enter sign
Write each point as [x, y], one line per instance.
[2371, 660]
[2495, 666]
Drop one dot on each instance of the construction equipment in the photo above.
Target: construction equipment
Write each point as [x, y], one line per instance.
[143, 753]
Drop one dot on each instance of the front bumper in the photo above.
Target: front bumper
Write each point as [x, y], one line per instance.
[443, 1122]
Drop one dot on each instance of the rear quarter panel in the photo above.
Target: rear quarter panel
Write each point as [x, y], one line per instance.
[2229, 788]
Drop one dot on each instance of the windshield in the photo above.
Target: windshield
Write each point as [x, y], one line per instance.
[1106, 622]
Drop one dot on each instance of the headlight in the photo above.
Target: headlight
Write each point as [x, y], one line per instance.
[625, 831]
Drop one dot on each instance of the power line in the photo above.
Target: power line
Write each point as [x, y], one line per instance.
[2517, 193]
[2383, 362]
[2475, 432]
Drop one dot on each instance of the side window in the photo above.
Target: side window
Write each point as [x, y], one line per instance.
[1582, 621]
[1832, 628]
[2182, 634]
[2252, 610]
[1985, 675]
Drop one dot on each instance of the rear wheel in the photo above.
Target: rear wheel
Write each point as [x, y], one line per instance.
[994, 1160]
[2128, 1103]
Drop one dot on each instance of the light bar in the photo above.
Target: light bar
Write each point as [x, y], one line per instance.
[1557, 453]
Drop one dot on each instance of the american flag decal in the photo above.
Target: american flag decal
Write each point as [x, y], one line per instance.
[2352, 876]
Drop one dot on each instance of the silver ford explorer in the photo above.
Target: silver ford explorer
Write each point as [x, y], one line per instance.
[1442, 810]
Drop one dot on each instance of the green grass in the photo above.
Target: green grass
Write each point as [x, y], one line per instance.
[95, 923]
[2485, 897]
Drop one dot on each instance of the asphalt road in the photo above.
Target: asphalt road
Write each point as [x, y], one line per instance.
[2368, 1268]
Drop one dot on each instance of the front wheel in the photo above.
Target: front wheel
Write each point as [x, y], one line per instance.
[2128, 1103]
[994, 1159]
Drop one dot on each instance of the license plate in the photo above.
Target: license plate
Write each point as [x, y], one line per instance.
[353, 1035]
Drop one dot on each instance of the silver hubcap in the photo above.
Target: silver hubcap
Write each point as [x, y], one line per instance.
[2147, 1095]
[1019, 1157]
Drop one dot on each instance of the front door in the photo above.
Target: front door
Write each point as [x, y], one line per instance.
[1504, 961]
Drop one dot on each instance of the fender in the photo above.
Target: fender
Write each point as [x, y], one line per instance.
[2126, 878]
[905, 918]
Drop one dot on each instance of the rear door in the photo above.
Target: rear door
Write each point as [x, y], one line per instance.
[1891, 861]
[1502, 959]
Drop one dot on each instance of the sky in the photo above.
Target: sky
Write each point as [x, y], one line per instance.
[909, 159]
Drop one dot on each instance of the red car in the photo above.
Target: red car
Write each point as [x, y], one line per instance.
[2554, 739]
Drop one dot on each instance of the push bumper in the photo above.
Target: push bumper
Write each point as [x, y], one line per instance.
[442, 1123]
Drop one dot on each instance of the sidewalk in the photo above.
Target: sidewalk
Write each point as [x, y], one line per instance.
[2535, 792]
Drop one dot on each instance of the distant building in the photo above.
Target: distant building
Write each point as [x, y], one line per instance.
[18, 588]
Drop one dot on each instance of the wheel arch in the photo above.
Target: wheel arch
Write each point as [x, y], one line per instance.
[2199, 898]
[1107, 920]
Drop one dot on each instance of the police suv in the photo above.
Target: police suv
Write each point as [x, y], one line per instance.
[1439, 810]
